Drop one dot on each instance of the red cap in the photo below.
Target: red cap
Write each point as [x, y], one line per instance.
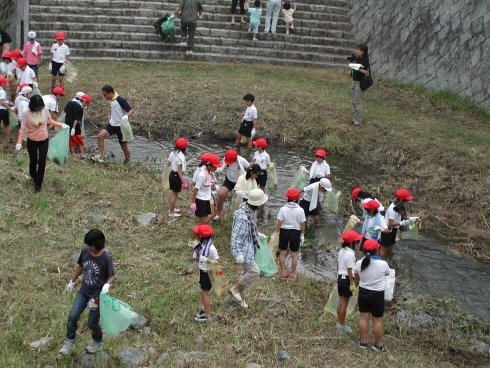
[351, 236]
[60, 36]
[261, 142]
[355, 192]
[293, 194]
[230, 156]
[181, 143]
[370, 244]
[321, 153]
[214, 160]
[21, 62]
[3, 81]
[22, 85]
[204, 157]
[7, 54]
[58, 91]
[371, 205]
[204, 230]
[87, 99]
[402, 193]
[15, 54]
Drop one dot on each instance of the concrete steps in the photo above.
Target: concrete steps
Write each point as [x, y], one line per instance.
[123, 30]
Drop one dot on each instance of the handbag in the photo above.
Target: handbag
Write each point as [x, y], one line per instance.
[367, 81]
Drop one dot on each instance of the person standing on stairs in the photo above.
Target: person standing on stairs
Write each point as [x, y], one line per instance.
[191, 11]
[242, 11]
[273, 10]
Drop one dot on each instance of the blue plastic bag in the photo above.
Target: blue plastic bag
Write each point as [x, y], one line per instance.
[59, 150]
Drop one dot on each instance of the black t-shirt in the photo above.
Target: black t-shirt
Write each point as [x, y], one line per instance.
[5, 37]
[74, 112]
[364, 61]
[96, 271]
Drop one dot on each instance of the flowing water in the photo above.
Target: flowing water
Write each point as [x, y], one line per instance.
[423, 266]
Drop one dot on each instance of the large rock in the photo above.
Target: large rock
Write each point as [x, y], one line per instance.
[138, 322]
[95, 219]
[283, 356]
[132, 357]
[92, 360]
[40, 344]
[147, 219]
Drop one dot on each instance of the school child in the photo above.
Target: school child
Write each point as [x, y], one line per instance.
[33, 51]
[262, 158]
[397, 218]
[345, 269]
[51, 100]
[201, 194]
[98, 275]
[59, 54]
[7, 65]
[373, 225]
[205, 253]
[360, 196]
[248, 181]
[372, 271]
[176, 178]
[24, 73]
[291, 224]
[288, 15]
[74, 116]
[310, 206]
[249, 122]
[319, 168]
[255, 15]
[5, 107]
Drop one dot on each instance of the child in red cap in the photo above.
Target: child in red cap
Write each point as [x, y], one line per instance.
[345, 269]
[263, 159]
[291, 224]
[176, 178]
[374, 224]
[205, 253]
[319, 169]
[5, 108]
[59, 54]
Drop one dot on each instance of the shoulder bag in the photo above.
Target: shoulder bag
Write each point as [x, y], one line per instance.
[367, 81]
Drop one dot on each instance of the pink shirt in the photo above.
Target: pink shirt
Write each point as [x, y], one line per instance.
[32, 58]
[36, 132]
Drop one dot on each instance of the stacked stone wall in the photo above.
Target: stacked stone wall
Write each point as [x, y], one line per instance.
[434, 43]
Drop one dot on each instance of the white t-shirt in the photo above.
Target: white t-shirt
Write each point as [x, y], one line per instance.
[22, 106]
[291, 215]
[26, 76]
[51, 103]
[373, 277]
[3, 96]
[365, 200]
[213, 254]
[346, 259]
[234, 170]
[175, 161]
[262, 159]
[393, 215]
[319, 170]
[370, 224]
[308, 192]
[6, 68]
[60, 52]
[250, 113]
[203, 193]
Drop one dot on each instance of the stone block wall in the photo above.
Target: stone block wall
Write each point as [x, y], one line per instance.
[434, 43]
[12, 12]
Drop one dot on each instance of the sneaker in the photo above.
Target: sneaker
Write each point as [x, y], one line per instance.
[174, 214]
[94, 346]
[188, 52]
[192, 243]
[244, 305]
[273, 32]
[97, 158]
[203, 318]
[236, 296]
[200, 313]
[254, 39]
[68, 346]
[363, 345]
[183, 43]
[292, 27]
[379, 349]
[266, 31]
[346, 329]
[284, 276]
[84, 156]
[292, 277]
[177, 210]
[287, 32]
[249, 30]
[216, 218]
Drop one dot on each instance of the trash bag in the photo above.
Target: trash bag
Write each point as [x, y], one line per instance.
[168, 27]
[218, 281]
[61, 119]
[158, 25]
[412, 233]
[126, 130]
[272, 176]
[274, 243]
[14, 121]
[264, 258]
[349, 226]
[331, 202]
[333, 302]
[115, 315]
[70, 72]
[243, 140]
[82, 132]
[236, 201]
[165, 177]
[390, 285]
[58, 150]
[299, 180]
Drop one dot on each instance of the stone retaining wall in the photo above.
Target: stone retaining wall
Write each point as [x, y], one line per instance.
[12, 12]
[434, 43]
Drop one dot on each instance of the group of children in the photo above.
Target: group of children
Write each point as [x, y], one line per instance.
[256, 12]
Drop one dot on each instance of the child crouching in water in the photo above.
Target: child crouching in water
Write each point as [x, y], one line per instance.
[205, 253]
[288, 15]
[345, 268]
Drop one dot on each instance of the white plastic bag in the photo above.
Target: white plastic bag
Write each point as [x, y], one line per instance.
[126, 130]
[390, 285]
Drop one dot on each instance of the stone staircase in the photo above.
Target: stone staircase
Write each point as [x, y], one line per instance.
[123, 31]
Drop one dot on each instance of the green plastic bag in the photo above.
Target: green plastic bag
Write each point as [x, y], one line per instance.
[264, 258]
[299, 179]
[115, 315]
[14, 121]
[168, 27]
[58, 150]
[331, 201]
[272, 182]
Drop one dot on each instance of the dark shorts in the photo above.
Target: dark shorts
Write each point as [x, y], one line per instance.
[4, 116]
[305, 205]
[174, 182]
[203, 208]
[204, 280]
[55, 68]
[388, 240]
[371, 302]
[289, 238]
[115, 130]
[343, 286]
[262, 179]
[246, 128]
[314, 180]
[228, 184]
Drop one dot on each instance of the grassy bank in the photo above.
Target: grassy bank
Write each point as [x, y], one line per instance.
[156, 276]
[434, 144]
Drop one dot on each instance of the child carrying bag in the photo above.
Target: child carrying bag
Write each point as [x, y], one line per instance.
[58, 150]
[115, 315]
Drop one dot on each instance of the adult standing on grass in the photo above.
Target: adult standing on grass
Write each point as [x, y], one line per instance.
[273, 10]
[33, 52]
[357, 76]
[120, 108]
[372, 271]
[191, 12]
[244, 239]
[5, 40]
[36, 121]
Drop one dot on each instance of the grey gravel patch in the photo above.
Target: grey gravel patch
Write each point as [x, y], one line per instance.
[147, 219]
[95, 219]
